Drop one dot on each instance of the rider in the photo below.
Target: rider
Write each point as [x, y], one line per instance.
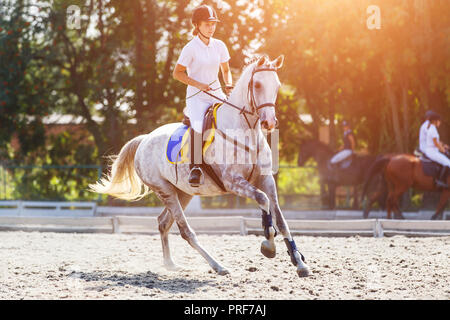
[436, 150]
[201, 57]
[423, 131]
[349, 145]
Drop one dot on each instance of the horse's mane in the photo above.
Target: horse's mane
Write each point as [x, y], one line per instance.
[247, 72]
[253, 60]
[245, 76]
[326, 148]
[317, 143]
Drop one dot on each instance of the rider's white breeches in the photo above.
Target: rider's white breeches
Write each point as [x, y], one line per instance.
[196, 107]
[435, 155]
[344, 154]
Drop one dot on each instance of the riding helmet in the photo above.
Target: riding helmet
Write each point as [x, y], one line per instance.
[434, 116]
[429, 113]
[204, 13]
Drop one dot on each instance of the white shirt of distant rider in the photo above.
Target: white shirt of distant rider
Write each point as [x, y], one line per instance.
[431, 133]
[423, 136]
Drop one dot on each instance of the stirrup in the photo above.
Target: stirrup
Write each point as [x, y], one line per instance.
[201, 179]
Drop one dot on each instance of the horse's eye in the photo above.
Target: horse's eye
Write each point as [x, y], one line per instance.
[257, 85]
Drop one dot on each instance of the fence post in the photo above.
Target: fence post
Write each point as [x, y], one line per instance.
[115, 225]
[20, 208]
[378, 229]
[243, 227]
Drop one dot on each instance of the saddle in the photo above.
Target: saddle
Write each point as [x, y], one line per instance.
[429, 167]
[209, 127]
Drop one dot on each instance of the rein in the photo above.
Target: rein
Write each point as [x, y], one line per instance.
[252, 99]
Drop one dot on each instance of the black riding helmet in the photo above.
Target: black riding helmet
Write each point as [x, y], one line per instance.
[434, 117]
[429, 113]
[204, 13]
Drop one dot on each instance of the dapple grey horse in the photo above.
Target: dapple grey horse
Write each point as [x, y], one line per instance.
[141, 166]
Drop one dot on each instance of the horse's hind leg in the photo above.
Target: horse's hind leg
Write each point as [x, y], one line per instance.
[392, 205]
[399, 191]
[355, 199]
[268, 186]
[169, 196]
[165, 221]
[368, 208]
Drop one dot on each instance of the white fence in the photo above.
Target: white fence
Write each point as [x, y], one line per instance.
[90, 209]
[47, 208]
[227, 225]
[87, 217]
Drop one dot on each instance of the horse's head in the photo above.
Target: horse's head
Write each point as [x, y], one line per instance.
[263, 89]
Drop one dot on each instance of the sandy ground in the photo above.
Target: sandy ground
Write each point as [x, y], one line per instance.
[37, 265]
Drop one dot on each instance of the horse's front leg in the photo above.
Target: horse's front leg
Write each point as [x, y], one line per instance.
[445, 195]
[267, 184]
[241, 187]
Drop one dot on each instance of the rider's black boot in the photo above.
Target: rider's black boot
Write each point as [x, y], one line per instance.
[440, 182]
[196, 172]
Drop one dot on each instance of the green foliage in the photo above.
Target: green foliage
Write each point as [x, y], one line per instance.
[114, 71]
[24, 84]
[49, 176]
[381, 80]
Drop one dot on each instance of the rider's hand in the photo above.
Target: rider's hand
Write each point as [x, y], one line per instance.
[203, 87]
[228, 90]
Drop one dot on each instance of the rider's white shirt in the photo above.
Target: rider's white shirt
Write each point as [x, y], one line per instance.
[431, 134]
[423, 136]
[432, 151]
[203, 63]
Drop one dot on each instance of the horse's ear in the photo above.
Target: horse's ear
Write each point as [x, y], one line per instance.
[262, 61]
[279, 62]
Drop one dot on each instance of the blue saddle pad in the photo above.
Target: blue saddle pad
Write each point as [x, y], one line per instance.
[174, 145]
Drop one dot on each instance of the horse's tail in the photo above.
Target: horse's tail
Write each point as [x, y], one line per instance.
[376, 167]
[123, 182]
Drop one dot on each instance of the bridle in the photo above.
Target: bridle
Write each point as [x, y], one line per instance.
[254, 107]
[254, 111]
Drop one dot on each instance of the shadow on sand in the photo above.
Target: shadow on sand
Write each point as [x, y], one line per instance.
[150, 280]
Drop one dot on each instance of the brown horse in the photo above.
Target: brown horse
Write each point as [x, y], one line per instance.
[402, 172]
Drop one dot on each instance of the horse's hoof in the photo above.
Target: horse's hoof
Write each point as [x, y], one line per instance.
[222, 271]
[303, 272]
[172, 267]
[268, 249]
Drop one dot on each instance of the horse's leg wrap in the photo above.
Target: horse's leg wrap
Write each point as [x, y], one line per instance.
[267, 223]
[291, 249]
